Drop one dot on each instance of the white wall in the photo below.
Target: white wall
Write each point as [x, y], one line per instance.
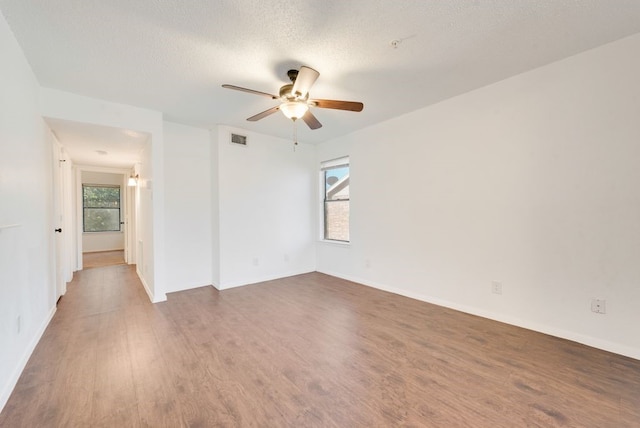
[104, 241]
[144, 229]
[27, 283]
[533, 182]
[187, 207]
[266, 208]
[67, 106]
[215, 206]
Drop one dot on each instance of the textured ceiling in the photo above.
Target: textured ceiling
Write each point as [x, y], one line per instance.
[173, 55]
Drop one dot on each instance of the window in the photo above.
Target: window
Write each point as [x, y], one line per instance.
[335, 177]
[101, 208]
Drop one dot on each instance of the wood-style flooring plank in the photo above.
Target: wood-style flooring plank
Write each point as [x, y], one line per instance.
[100, 259]
[114, 394]
[156, 404]
[304, 351]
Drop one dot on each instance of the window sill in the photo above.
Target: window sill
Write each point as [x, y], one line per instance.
[336, 243]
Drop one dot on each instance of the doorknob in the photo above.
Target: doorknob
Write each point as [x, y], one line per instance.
[58, 230]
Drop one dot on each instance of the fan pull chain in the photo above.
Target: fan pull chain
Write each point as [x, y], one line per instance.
[295, 134]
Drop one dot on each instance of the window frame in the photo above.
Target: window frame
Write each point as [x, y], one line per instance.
[326, 166]
[85, 208]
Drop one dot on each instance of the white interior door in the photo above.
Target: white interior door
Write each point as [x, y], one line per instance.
[58, 218]
[130, 223]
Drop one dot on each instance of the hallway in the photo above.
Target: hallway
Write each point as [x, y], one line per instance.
[80, 372]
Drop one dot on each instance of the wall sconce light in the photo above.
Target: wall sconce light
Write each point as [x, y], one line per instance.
[133, 180]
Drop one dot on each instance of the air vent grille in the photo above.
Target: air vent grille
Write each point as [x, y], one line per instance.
[239, 139]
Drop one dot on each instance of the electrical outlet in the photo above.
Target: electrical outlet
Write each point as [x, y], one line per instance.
[18, 324]
[286, 258]
[367, 263]
[599, 306]
[496, 287]
[256, 261]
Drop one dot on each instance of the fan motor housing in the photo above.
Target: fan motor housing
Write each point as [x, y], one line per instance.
[287, 94]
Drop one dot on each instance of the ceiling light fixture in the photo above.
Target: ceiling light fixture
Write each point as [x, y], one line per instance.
[294, 109]
[294, 99]
[133, 180]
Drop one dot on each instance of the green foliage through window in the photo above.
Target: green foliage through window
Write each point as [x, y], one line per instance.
[101, 207]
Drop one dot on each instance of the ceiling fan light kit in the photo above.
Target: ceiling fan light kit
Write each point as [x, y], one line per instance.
[295, 101]
[294, 109]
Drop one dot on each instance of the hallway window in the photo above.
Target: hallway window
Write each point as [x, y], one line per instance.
[101, 208]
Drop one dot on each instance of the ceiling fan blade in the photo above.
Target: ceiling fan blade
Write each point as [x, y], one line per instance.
[311, 120]
[263, 114]
[251, 91]
[338, 105]
[306, 78]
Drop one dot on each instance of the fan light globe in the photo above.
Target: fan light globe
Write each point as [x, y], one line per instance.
[294, 109]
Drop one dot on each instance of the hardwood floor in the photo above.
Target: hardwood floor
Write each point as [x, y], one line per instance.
[305, 351]
[102, 259]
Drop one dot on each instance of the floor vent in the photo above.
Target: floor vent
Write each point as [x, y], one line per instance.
[239, 139]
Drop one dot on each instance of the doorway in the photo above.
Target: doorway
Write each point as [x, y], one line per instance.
[98, 155]
[104, 217]
[62, 222]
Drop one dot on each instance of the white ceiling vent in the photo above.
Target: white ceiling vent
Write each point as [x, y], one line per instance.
[238, 139]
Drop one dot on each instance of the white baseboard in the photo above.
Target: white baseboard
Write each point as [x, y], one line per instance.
[13, 380]
[259, 280]
[594, 342]
[185, 287]
[152, 297]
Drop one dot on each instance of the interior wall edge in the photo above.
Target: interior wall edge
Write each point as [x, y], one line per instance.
[153, 298]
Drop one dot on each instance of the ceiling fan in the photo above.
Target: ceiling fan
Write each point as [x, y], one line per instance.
[294, 99]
